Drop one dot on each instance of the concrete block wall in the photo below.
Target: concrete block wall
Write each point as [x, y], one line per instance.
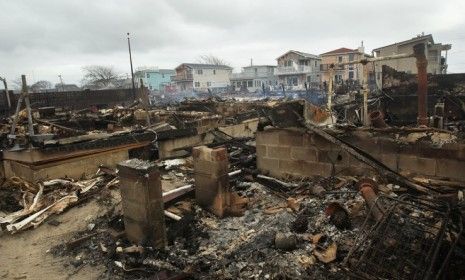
[284, 152]
[142, 200]
[211, 179]
[422, 158]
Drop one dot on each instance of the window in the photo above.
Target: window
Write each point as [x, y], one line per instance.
[316, 63]
[256, 70]
[339, 59]
[351, 75]
[148, 75]
[258, 83]
[351, 57]
[197, 84]
[163, 76]
[214, 72]
[209, 84]
[249, 83]
[200, 72]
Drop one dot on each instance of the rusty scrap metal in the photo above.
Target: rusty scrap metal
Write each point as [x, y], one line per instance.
[367, 189]
[377, 119]
[406, 243]
[422, 77]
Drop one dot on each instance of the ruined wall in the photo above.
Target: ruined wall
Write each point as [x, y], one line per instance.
[403, 104]
[283, 152]
[73, 99]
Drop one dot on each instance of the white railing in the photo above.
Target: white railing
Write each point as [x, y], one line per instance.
[299, 69]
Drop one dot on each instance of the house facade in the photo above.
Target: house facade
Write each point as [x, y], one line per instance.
[296, 69]
[153, 78]
[254, 78]
[202, 77]
[344, 73]
[436, 53]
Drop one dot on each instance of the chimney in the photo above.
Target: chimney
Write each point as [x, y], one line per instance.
[361, 49]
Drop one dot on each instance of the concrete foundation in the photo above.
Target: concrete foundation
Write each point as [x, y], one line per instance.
[74, 168]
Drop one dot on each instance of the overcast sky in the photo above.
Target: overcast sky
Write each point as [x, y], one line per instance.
[46, 38]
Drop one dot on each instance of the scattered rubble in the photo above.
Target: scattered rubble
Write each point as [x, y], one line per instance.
[229, 189]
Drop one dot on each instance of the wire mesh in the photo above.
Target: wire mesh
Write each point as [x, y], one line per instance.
[404, 244]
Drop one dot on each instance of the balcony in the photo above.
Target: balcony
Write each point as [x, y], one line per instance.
[290, 70]
[250, 75]
[183, 77]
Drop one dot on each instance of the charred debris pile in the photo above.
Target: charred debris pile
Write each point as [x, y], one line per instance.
[227, 189]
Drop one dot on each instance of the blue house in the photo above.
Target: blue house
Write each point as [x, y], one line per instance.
[153, 78]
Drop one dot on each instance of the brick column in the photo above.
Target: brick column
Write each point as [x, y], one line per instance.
[142, 200]
[211, 179]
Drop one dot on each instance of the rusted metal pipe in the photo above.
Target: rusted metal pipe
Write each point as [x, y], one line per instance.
[422, 79]
[377, 119]
[367, 188]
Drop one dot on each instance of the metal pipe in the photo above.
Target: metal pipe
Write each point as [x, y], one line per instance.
[422, 79]
[367, 189]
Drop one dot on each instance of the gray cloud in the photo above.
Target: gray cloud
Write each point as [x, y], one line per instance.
[43, 39]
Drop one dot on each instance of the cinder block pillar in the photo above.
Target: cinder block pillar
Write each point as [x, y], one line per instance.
[142, 199]
[211, 179]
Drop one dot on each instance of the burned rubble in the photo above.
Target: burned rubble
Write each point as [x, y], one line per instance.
[242, 189]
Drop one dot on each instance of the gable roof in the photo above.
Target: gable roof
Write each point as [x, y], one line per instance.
[340, 50]
[427, 37]
[204, 66]
[303, 54]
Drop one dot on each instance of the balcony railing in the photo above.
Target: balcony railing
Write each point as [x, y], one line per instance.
[183, 77]
[246, 75]
[299, 69]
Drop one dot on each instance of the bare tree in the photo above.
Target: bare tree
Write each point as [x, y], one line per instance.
[98, 76]
[211, 59]
[40, 86]
[17, 83]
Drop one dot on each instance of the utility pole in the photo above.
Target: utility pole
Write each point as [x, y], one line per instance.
[132, 71]
[6, 92]
[62, 85]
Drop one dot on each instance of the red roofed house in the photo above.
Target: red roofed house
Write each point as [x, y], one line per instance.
[346, 72]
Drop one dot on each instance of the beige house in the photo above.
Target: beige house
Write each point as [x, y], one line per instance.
[436, 53]
[349, 72]
[295, 69]
[201, 77]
